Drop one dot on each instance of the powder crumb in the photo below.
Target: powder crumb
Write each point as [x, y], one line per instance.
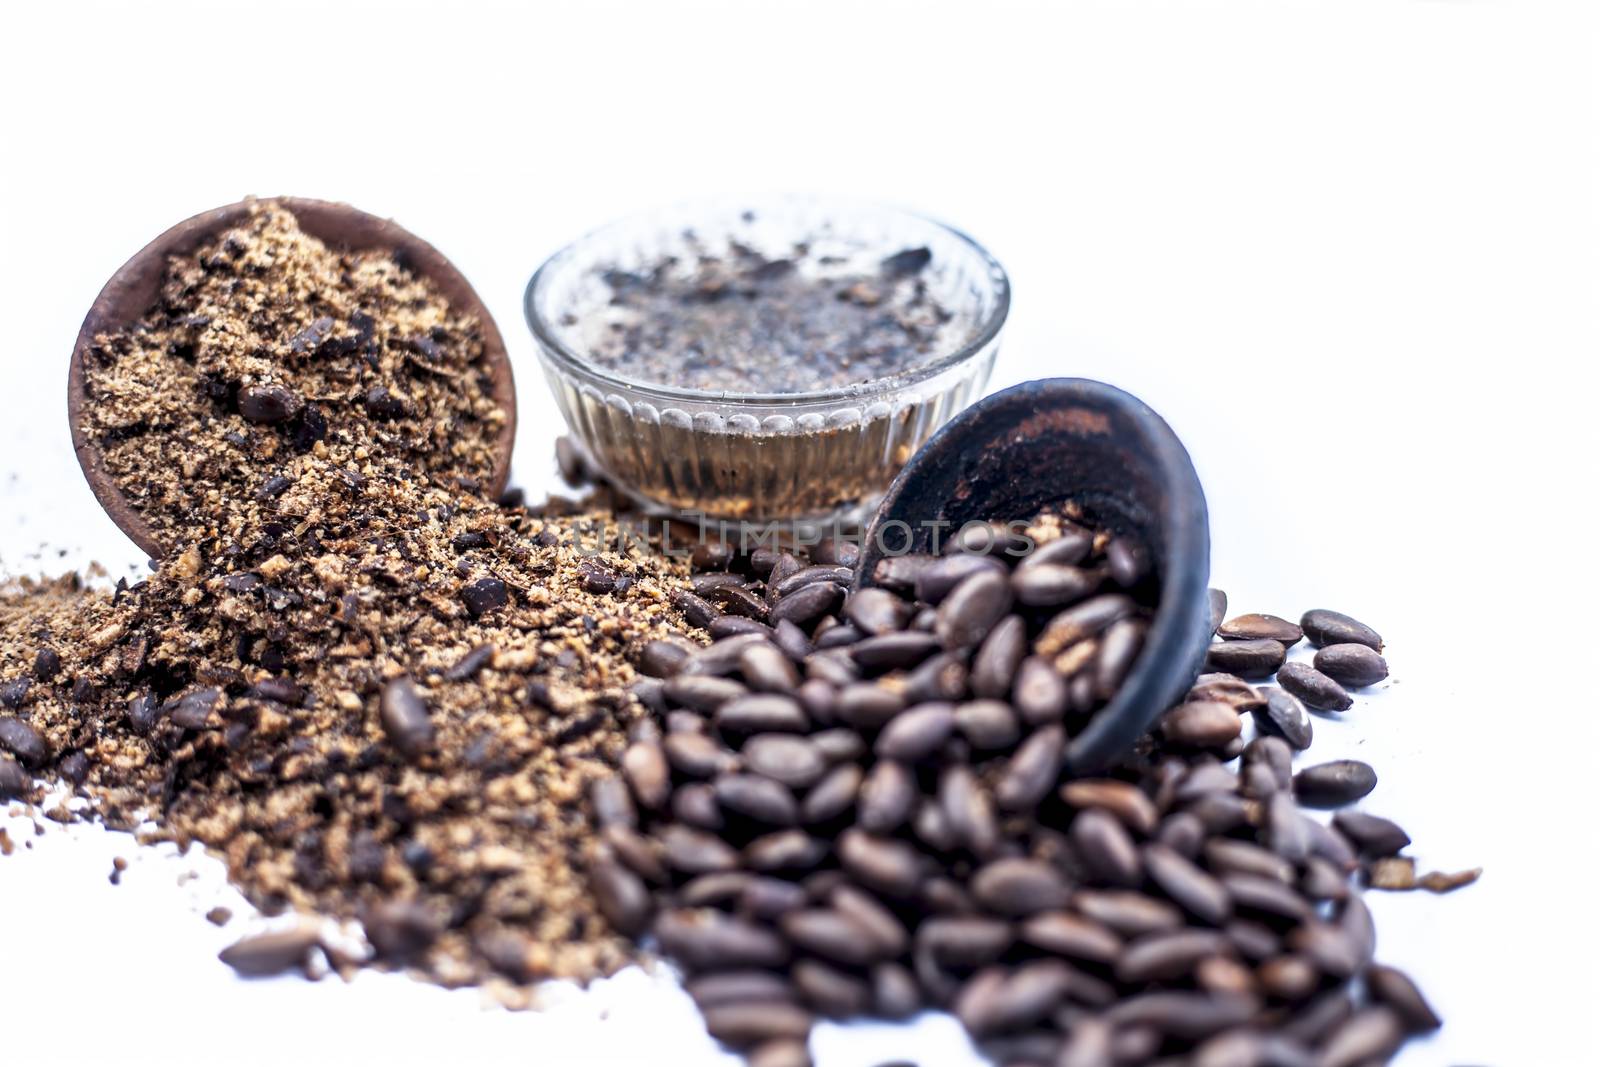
[1449, 881]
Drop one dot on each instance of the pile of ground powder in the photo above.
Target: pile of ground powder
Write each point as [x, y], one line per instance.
[268, 351]
[374, 694]
[732, 319]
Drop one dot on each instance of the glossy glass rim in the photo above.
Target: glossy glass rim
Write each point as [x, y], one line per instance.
[987, 330]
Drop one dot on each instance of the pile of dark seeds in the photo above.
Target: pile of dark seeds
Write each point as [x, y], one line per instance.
[381, 698]
[854, 805]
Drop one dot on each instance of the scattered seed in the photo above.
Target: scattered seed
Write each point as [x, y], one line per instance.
[484, 595]
[644, 765]
[271, 953]
[1019, 887]
[622, 897]
[916, 733]
[1313, 687]
[1050, 585]
[1201, 724]
[1325, 628]
[794, 761]
[1032, 770]
[406, 719]
[757, 713]
[1351, 664]
[14, 781]
[1192, 888]
[1261, 627]
[741, 1024]
[1372, 834]
[973, 608]
[1106, 849]
[1257, 658]
[21, 739]
[887, 796]
[1371, 1034]
[1396, 990]
[1217, 603]
[1121, 799]
[1284, 714]
[1334, 784]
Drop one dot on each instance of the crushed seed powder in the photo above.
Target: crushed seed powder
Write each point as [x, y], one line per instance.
[234, 698]
[268, 356]
[733, 319]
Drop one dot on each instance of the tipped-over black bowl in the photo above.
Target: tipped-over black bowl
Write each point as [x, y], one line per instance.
[1046, 442]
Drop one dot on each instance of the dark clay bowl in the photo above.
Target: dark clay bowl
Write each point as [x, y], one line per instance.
[133, 289]
[1046, 442]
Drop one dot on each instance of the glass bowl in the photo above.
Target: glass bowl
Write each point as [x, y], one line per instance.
[784, 456]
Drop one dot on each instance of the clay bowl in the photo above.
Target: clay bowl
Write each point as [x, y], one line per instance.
[133, 289]
[1046, 442]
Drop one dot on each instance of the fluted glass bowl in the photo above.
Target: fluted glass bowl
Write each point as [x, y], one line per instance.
[763, 456]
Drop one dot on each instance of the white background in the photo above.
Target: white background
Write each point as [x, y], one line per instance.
[1348, 248]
